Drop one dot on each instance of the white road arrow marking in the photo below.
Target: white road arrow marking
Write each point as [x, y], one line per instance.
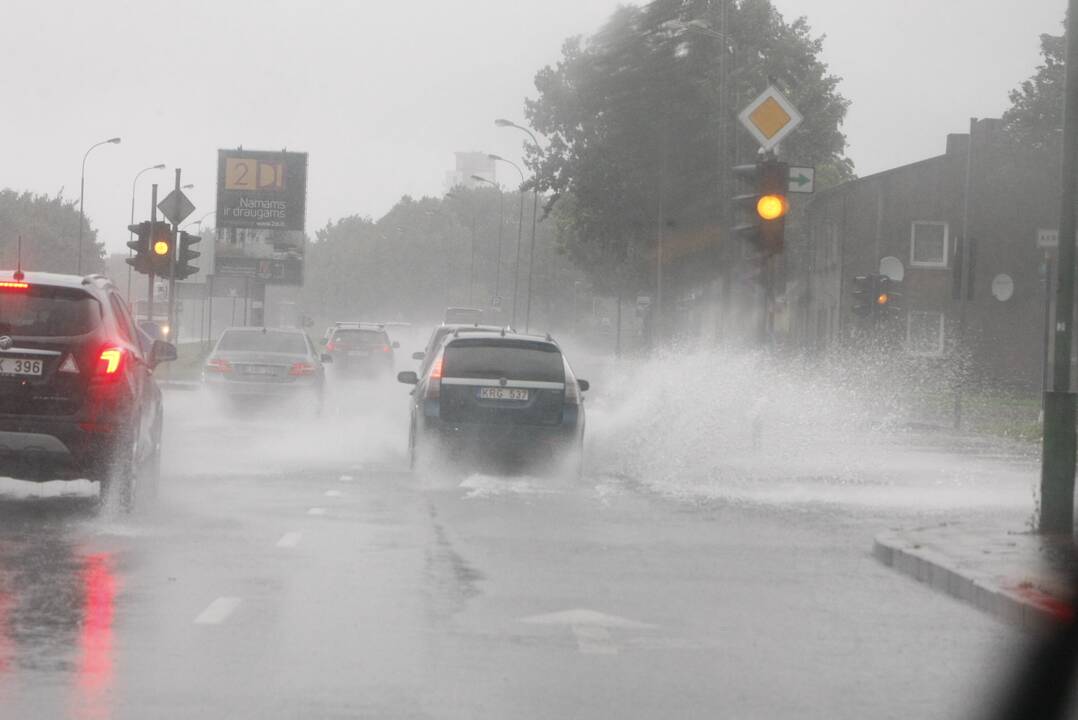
[289, 540]
[590, 628]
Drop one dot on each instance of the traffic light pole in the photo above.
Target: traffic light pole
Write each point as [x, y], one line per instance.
[172, 330]
[149, 275]
[1058, 458]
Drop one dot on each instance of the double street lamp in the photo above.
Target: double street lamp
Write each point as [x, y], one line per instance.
[502, 122]
[520, 230]
[82, 196]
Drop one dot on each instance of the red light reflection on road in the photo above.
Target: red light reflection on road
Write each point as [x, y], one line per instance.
[95, 635]
[6, 650]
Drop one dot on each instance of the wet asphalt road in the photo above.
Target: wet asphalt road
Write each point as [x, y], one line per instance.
[290, 573]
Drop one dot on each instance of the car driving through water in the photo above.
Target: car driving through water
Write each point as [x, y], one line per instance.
[77, 392]
[275, 365]
[499, 399]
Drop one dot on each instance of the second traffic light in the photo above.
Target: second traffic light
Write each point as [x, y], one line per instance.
[875, 296]
[764, 206]
[152, 248]
[184, 268]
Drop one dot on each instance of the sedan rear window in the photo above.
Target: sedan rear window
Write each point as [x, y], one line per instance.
[269, 341]
[42, 311]
[515, 361]
[361, 337]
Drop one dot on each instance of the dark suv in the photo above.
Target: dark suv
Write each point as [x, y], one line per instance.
[361, 349]
[498, 398]
[77, 392]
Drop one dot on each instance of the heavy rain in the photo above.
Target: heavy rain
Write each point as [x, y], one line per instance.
[683, 358]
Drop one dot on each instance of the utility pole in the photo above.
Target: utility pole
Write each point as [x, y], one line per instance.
[149, 275]
[1058, 457]
[172, 271]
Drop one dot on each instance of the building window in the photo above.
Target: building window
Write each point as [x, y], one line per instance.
[924, 333]
[928, 244]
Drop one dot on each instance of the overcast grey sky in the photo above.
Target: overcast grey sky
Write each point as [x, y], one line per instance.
[382, 94]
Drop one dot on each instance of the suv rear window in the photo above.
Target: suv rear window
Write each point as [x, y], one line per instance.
[361, 337]
[43, 311]
[512, 360]
[269, 341]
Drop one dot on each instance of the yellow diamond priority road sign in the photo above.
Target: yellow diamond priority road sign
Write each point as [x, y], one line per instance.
[770, 118]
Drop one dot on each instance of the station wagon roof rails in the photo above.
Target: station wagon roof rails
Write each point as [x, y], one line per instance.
[92, 278]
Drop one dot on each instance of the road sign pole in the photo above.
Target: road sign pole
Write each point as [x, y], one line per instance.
[172, 271]
[153, 226]
[1058, 458]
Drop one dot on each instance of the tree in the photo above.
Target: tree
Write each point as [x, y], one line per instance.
[49, 228]
[637, 131]
[1035, 118]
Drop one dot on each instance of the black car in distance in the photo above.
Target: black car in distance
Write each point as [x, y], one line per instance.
[77, 392]
[361, 349]
[497, 399]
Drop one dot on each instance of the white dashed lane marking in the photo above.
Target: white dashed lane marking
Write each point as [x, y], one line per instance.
[316, 511]
[218, 611]
[334, 493]
[289, 540]
[346, 478]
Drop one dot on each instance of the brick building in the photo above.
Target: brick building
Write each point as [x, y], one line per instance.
[960, 230]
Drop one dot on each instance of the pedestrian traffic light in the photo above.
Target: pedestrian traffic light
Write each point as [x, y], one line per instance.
[161, 250]
[184, 268]
[875, 296]
[764, 207]
[140, 257]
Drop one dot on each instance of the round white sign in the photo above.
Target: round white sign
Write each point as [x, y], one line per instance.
[1002, 287]
[893, 268]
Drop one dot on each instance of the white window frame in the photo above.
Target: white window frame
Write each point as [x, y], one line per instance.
[938, 352]
[946, 244]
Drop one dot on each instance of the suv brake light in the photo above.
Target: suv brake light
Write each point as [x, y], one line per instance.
[434, 383]
[13, 285]
[110, 362]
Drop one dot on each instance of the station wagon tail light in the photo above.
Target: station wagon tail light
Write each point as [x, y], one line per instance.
[13, 285]
[386, 348]
[301, 368]
[434, 384]
[218, 365]
[110, 362]
[331, 346]
[572, 390]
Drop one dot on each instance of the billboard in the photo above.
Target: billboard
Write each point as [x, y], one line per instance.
[261, 211]
[261, 190]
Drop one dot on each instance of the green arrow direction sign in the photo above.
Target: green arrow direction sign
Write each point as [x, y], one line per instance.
[802, 179]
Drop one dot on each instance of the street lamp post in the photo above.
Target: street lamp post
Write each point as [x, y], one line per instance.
[82, 196]
[502, 122]
[130, 252]
[520, 232]
[501, 223]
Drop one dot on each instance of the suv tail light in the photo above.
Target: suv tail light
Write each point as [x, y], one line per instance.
[301, 368]
[218, 365]
[572, 390]
[13, 285]
[434, 383]
[331, 346]
[386, 348]
[110, 363]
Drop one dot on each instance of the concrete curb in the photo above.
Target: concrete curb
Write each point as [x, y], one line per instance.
[1020, 604]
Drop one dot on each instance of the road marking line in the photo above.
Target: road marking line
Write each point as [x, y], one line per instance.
[289, 540]
[593, 640]
[346, 478]
[218, 611]
[334, 493]
[316, 511]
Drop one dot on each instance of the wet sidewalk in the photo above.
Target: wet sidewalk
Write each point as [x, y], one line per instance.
[1019, 577]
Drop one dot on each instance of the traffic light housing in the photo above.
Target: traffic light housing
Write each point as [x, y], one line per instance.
[764, 207]
[184, 268]
[875, 296]
[160, 250]
[140, 246]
